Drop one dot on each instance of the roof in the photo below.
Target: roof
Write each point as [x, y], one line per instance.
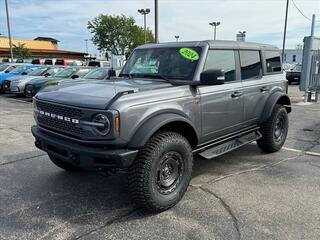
[47, 39]
[30, 44]
[222, 44]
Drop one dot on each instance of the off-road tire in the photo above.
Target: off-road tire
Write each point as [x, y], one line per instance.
[269, 142]
[144, 185]
[64, 165]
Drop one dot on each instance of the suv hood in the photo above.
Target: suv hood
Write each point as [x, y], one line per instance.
[96, 95]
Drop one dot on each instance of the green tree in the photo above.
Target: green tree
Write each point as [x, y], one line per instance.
[20, 51]
[117, 35]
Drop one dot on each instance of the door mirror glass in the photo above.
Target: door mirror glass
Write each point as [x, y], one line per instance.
[74, 76]
[212, 77]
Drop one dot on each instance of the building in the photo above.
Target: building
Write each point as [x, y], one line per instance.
[40, 47]
[293, 56]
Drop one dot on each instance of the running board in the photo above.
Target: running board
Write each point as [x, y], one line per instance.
[230, 145]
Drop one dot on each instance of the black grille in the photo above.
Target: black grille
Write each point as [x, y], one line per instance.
[57, 124]
[6, 84]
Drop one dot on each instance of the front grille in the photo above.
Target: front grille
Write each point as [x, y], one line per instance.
[57, 124]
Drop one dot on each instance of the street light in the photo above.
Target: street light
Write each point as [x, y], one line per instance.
[144, 12]
[9, 31]
[177, 38]
[241, 36]
[214, 25]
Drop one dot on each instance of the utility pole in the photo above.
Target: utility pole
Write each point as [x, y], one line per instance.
[9, 32]
[285, 30]
[177, 38]
[86, 40]
[144, 12]
[156, 20]
[214, 25]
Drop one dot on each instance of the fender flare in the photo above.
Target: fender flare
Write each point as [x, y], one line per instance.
[152, 125]
[272, 101]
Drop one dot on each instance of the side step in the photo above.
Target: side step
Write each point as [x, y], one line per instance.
[230, 145]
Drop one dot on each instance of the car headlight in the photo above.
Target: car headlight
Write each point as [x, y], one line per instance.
[102, 124]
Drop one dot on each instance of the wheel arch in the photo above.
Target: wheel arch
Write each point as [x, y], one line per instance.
[275, 98]
[164, 122]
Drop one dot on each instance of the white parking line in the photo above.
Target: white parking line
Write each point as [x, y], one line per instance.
[300, 151]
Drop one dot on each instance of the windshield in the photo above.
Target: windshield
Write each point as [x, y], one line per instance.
[19, 70]
[100, 73]
[171, 63]
[66, 73]
[38, 71]
[3, 67]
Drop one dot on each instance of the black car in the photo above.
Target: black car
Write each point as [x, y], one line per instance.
[294, 74]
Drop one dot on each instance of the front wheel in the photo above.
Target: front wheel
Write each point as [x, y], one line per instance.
[274, 130]
[161, 173]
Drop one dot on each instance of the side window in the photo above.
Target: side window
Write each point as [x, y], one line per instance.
[222, 59]
[273, 61]
[251, 66]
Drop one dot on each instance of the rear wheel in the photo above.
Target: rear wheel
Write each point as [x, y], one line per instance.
[274, 130]
[161, 173]
[64, 165]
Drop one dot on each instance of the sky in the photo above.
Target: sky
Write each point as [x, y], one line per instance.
[66, 20]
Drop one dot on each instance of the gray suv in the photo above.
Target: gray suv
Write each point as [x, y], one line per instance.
[172, 101]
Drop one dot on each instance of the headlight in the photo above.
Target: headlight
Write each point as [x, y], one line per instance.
[103, 124]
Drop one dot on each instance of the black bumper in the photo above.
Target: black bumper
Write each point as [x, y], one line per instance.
[86, 157]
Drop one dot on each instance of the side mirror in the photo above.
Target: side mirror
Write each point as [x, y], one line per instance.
[212, 77]
[46, 74]
[75, 76]
[111, 73]
[24, 73]
[7, 71]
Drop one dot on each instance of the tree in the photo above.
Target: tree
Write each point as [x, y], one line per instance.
[20, 51]
[117, 35]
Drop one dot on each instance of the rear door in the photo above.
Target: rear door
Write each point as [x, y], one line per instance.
[256, 88]
[222, 105]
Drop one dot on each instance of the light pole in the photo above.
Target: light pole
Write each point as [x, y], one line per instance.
[86, 40]
[177, 38]
[9, 32]
[144, 12]
[214, 25]
[156, 20]
[285, 30]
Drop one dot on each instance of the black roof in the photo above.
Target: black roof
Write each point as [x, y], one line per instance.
[222, 44]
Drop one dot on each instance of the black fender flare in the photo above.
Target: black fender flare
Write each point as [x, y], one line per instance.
[152, 125]
[276, 97]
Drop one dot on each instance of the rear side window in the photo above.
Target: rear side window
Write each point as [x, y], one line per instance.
[48, 62]
[222, 59]
[35, 61]
[59, 62]
[251, 66]
[273, 61]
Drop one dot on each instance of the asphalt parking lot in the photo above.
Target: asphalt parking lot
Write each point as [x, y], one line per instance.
[245, 194]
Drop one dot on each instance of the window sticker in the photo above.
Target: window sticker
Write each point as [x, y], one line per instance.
[189, 53]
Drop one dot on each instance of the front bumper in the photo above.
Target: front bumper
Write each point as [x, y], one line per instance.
[85, 157]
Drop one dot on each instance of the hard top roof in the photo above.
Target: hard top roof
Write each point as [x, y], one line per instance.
[220, 44]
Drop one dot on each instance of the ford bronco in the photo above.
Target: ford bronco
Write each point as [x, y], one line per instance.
[171, 102]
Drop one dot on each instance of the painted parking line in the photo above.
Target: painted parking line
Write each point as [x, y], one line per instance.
[300, 151]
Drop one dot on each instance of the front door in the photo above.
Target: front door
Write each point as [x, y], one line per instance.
[222, 105]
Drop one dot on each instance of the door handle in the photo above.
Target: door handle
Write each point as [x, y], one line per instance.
[264, 89]
[236, 94]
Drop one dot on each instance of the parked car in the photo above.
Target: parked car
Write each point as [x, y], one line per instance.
[94, 75]
[68, 62]
[99, 63]
[20, 70]
[33, 86]
[294, 74]
[17, 84]
[174, 101]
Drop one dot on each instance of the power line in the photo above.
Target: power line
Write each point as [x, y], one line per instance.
[295, 5]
